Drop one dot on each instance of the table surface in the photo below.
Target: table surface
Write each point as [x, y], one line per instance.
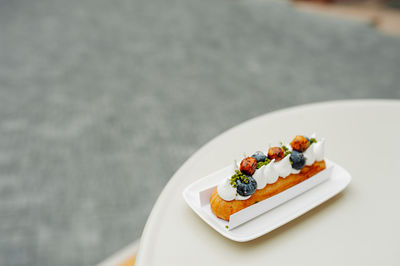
[94, 92]
[357, 227]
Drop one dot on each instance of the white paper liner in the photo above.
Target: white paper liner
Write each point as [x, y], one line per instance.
[263, 206]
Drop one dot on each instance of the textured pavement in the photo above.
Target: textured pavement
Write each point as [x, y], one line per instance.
[101, 101]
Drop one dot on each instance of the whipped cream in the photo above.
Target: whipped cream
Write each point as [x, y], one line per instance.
[319, 150]
[260, 177]
[295, 171]
[284, 167]
[269, 174]
[240, 197]
[310, 155]
[225, 190]
[315, 152]
[266, 175]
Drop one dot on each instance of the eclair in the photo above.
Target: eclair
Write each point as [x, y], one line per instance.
[264, 175]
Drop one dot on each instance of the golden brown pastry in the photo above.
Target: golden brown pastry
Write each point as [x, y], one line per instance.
[224, 209]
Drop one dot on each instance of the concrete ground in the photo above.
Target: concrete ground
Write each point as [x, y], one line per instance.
[101, 101]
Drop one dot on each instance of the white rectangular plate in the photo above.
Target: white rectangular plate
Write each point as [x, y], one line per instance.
[338, 179]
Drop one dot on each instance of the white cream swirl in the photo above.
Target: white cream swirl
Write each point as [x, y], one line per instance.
[239, 197]
[310, 155]
[316, 151]
[284, 167]
[225, 190]
[266, 175]
[271, 175]
[260, 177]
[295, 171]
[319, 150]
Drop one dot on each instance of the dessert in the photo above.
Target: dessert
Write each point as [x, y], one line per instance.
[264, 175]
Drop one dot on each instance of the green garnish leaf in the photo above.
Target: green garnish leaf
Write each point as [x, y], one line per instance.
[226, 226]
[313, 140]
[261, 164]
[286, 150]
[238, 175]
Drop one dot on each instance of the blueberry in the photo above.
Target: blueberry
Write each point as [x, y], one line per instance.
[259, 156]
[298, 160]
[246, 189]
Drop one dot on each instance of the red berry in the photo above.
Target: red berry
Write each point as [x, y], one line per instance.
[300, 143]
[248, 166]
[276, 153]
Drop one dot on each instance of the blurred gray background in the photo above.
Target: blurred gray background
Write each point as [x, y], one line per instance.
[101, 101]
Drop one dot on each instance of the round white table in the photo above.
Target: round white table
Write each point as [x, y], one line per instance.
[359, 226]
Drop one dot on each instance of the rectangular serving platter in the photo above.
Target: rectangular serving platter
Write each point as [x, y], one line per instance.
[267, 215]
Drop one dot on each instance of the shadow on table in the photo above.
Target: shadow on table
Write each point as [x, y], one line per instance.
[296, 222]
